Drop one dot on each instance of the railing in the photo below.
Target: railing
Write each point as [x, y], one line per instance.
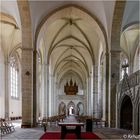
[129, 81]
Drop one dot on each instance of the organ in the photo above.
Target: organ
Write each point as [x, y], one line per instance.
[71, 88]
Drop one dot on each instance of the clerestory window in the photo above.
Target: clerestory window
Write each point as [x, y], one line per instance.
[124, 63]
[14, 78]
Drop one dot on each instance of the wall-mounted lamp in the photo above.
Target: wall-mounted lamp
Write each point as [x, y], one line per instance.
[113, 75]
[27, 73]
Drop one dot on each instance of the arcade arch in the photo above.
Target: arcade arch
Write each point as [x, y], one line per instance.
[126, 113]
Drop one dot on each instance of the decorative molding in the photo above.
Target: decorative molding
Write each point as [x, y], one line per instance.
[27, 73]
[133, 81]
[8, 19]
[71, 97]
[27, 49]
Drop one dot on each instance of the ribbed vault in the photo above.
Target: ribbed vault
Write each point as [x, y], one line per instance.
[130, 41]
[70, 41]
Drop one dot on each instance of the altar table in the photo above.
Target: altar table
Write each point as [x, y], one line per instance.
[65, 129]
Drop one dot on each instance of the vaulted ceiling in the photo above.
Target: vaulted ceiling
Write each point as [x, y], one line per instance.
[71, 38]
[130, 41]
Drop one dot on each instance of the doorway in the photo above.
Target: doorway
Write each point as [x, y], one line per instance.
[71, 108]
[126, 114]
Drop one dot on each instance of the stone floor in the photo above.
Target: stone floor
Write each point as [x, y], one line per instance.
[36, 133]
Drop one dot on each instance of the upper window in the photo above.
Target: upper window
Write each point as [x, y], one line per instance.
[137, 60]
[124, 62]
[14, 78]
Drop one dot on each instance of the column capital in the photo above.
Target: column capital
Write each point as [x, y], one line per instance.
[106, 53]
[27, 49]
[115, 51]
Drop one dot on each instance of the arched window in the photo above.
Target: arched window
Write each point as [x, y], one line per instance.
[124, 62]
[14, 78]
[137, 60]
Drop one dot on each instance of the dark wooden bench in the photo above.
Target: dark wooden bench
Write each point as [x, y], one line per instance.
[6, 127]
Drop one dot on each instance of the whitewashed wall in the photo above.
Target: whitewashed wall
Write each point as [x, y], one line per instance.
[2, 85]
[14, 107]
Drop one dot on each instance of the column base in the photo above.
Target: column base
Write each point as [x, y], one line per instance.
[106, 124]
[26, 126]
[112, 124]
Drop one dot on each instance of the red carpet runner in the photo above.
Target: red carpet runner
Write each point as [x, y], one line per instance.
[56, 135]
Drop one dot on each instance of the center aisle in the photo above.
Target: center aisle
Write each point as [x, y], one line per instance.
[57, 135]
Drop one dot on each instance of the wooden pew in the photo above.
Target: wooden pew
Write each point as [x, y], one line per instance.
[6, 127]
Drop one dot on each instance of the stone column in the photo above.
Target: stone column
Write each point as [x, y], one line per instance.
[86, 98]
[45, 90]
[47, 93]
[42, 91]
[107, 89]
[115, 70]
[91, 92]
[95, 92]
[27, 87]
[27, 63]
[34, 88]
[115, 59]
[52, 94]
[89, 97]
[100, 90]
[103, 85]
[6, 89]
[136, 114]
[139, 116]
[135, 120]
[38, 87]
[55, 97]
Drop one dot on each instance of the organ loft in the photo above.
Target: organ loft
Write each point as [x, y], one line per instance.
[71, 88]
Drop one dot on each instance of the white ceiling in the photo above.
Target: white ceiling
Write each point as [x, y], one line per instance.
[103, 10]
[66, 57]
[10, 7]
[72, 40]
[131, 13]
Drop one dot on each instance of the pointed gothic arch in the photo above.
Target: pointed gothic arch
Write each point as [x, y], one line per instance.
[126, 113]
[71, 106]
[80, 109]
[62, 109]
